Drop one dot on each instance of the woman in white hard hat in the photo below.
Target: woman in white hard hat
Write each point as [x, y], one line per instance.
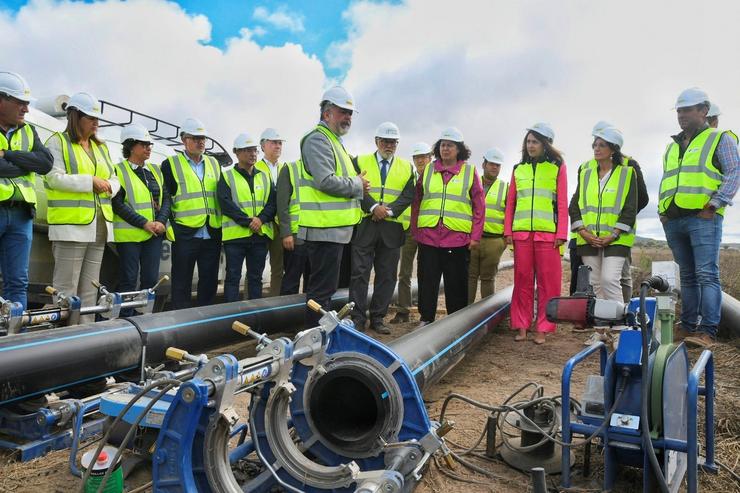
[79, 188]
[447, 218]
[536, 222]
[603, 211]
[141, 209]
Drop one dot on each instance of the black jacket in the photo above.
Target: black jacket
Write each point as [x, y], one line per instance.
[132, 217]
[230, 209]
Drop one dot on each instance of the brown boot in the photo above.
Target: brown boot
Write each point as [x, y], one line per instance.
[700, 339]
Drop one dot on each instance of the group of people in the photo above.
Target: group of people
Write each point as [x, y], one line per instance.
[373, 210]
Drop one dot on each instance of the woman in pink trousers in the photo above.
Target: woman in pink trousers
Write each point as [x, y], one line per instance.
[537, 223]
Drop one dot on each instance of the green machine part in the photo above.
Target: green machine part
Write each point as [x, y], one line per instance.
[666, 303]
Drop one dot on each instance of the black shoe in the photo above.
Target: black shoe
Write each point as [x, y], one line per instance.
[400, 318]
[379, 327]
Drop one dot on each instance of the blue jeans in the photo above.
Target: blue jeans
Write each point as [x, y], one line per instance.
[255, 253]
[135, 257]
[695, 245]
[16, 231]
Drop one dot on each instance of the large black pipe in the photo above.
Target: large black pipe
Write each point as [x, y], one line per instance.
[433, 350]
[40, 362]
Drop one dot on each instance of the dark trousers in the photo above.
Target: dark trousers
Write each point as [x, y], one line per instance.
[324, 258]
[434, 263]
[295, 264]
[575, 263]
[385, 262]
[255, 253]
[185, 255]
[138, 260]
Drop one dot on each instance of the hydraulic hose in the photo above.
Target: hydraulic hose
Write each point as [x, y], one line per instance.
[647, 442]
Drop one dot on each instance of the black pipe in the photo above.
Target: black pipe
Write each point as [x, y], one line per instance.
[433, 350]
[36, 363]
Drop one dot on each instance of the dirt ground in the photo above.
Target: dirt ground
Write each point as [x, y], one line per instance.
[489, 374]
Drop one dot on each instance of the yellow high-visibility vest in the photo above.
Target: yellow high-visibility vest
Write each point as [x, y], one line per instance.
[496, 207]
[691, 180]
[195, 200]
[536, 197]
[398, 174]
[21, 140]
[250, 203]
[449, 202]
[600, 208]
[79, 207]
[319, 209]
[139, 198]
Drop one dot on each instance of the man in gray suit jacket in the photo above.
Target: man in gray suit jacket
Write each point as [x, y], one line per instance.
[380, 235]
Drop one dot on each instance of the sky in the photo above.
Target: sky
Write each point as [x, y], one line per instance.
[490, 68]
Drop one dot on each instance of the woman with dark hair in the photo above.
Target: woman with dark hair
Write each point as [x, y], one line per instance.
[79, 188]
[603, 211]
[447, 218]
[141, 209]
[536, 221]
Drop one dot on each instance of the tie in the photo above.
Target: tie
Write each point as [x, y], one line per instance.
[383, 171]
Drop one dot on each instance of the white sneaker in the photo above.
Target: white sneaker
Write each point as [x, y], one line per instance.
[595, 337]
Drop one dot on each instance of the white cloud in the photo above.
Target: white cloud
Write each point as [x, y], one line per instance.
[280, 19]
[493, 68]
[150, 55]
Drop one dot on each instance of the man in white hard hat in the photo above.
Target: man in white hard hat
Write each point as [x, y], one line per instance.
[701, 173]
[191, 178]
[141, 209]
[484, 260]
[22, 155]
[247, 199]
[713, 115]
[421, 155]
[271, 143]
[381, 233]
[330, 189]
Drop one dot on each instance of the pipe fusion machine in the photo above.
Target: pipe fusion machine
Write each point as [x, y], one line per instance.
[643, 405]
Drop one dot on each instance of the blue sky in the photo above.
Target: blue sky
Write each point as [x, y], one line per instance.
[315, 24]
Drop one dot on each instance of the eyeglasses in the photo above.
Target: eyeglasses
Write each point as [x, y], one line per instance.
[144, 143]
[388, 142]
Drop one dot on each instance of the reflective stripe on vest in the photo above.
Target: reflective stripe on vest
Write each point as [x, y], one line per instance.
[398, 174]
[21, 140]
[265, 167]
[449, 202]
[495, 207]
[249, 203]
[294, 170]
[139, 198]
[536, 190]
[195, 200]
[80, 207]
[601, 207]
[691, 180]
[318, 208]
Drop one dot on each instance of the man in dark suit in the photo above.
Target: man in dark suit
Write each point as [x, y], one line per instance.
[380, 235]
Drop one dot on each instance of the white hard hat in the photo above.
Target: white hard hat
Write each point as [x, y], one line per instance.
[714, 110]
[600, 125]
[242, 141]
[194, 127]
[16, 86]
[421, 148]
[388, 130]
[85, 103]
[271, 134]
[339, 96]
[494, 155]
[544, 129]
[691, 97]
[136, 132]
[610, 134]
[451, 133]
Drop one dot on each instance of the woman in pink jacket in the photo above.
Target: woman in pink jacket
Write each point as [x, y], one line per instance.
[536, 222]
